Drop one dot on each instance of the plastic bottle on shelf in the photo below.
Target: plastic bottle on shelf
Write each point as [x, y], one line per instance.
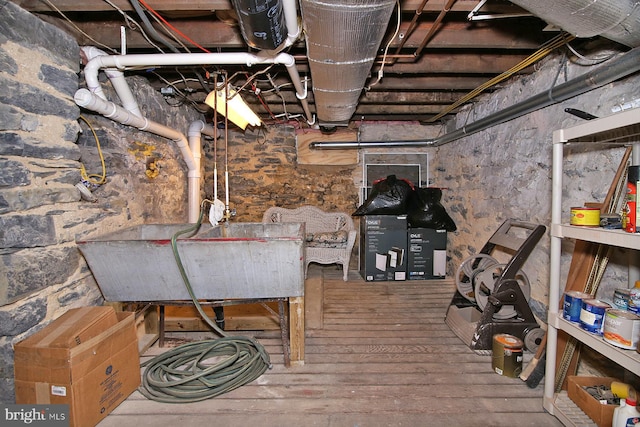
[626, 415]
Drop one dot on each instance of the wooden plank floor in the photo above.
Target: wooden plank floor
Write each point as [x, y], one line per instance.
[380, 355]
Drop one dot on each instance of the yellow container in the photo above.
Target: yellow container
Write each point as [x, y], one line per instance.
[588, 217]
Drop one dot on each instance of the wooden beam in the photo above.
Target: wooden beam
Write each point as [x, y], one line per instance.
[372, 98]
[406, 98]
[461, 63]
[409, 6]
[296, 330]
[423, 83]
[408, 109]
[389, 84]
[101, 6]
[209, 33]
[212, 33]
[463, 35]
[366, 110]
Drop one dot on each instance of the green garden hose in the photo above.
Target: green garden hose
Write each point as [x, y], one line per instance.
[182, 375]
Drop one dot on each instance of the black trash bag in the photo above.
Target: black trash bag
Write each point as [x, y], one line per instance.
[424, 210]
[388, 196]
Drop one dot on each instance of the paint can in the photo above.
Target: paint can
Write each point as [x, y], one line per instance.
[592, 315]
[573, 304]
[621, 329]
[631, 210]
[506, 358]
[621, 298]
[634, 299]
[586, 217]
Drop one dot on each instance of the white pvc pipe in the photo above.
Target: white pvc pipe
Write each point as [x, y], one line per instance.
[117, 80]
[121, 62]
[94, 99]
[191, 150]
[196, 129]
[291, 21]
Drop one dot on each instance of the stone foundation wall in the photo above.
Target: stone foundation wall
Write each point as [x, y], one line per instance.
[263, 172]
[43, 145]
[505, 171]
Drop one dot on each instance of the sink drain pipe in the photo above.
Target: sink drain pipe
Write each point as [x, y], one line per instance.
[617, 68]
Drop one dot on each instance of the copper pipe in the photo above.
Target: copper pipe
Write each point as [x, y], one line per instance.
[412, 25]
[434, 27]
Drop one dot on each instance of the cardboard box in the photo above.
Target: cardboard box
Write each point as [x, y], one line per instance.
[601, 414]
[87, 358]
[383, 247]
[427, 254]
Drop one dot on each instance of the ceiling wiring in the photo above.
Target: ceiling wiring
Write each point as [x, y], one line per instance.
[266, 107]
[548, 47]
[78, 28]
[386, 49]
[154, 39]
[180, 93]
[189, 39]
[145, 20]
[252, 77]
[590, 61]
[171, 34]
[133, 24]
[161, 24]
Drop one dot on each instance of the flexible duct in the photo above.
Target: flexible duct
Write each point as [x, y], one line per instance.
[342, 38]
[615, 69]
[617, 20]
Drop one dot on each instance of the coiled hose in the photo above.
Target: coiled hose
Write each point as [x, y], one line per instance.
[181, 375]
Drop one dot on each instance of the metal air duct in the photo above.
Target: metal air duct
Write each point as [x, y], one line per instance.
[617, 68]
[342, 37]
[617, 20]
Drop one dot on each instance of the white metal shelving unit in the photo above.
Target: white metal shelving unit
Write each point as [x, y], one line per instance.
[617, 129]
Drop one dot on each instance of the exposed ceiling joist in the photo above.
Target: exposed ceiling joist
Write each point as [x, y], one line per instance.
[460, 54]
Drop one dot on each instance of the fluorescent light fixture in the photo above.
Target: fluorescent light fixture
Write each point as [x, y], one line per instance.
[239, 112]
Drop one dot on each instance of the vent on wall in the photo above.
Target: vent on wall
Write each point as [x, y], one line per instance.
[404, 165]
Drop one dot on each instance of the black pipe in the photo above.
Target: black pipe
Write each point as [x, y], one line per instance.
[613, 70]
[150, 28]
[159, 38]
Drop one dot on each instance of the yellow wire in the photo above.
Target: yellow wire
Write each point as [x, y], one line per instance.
[547, 48]
[83, 172]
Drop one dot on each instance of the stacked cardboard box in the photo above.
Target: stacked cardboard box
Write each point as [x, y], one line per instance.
[427, 254]
[391, 251]
[87, 359]
[383, 247]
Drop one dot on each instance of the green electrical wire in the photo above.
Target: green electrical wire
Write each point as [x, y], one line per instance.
[182, 375]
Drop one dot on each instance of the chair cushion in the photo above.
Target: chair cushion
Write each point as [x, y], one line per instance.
[327, 239]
